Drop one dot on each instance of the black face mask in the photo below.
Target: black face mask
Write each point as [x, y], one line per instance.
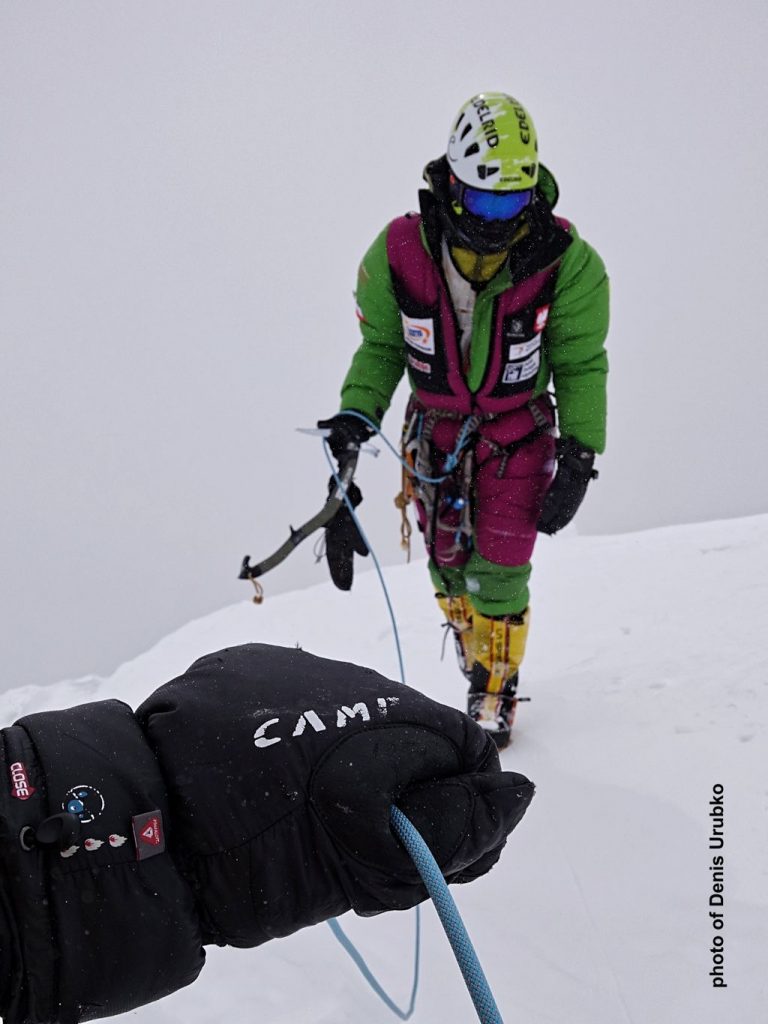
[481, 236]
[466, 229]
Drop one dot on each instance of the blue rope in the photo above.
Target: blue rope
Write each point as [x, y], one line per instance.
[359, 526]
[426, 865]
[334, 925]
[450, 918]
[451, 460]
[366, 972]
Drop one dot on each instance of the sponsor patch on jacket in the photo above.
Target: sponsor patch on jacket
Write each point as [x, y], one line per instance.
[522, 349]
[542, 315]
[418, 364]
[419, 333]
[523, 370]
[148, 834]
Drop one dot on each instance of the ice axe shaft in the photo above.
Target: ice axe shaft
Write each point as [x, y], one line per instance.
[322, 518]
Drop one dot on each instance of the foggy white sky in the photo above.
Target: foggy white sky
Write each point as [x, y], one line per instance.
[185, 191]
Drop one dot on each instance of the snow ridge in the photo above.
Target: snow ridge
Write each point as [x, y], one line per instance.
[648, 678]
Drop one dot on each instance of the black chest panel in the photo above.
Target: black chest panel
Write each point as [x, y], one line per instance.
[520, 336]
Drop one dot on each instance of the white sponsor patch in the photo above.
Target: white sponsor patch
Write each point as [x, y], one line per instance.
[524, 348]
[514, 372]
[419, 333]
[417, 364]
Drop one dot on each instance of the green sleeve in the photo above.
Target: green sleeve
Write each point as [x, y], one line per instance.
[379, 362]
[575, 340]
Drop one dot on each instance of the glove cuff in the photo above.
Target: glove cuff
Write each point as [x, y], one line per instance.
[577, 457]
[347, 432]
[85, 789]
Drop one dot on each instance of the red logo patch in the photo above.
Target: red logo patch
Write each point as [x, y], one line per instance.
[20, 787]
[152, 833]
[148, 834]
[542, 315]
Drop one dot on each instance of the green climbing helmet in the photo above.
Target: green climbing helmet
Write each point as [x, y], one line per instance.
[493, 144]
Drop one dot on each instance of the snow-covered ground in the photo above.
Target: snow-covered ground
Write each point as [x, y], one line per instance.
[649, 679]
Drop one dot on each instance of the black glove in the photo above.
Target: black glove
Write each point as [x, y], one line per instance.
[343, 540]
[246, 799]
[347, 433]
[575, 468]
[282, 767]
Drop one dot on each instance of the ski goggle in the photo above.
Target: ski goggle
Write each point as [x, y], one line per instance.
[493, 205]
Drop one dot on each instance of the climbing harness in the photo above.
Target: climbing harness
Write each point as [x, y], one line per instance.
[438, 483]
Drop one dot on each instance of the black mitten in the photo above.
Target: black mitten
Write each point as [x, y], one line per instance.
[95, 919]
[343, 540]
[575, 468]
[346, 433]
[282, 768]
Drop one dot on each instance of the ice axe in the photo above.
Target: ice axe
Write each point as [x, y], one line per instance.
[335, 500]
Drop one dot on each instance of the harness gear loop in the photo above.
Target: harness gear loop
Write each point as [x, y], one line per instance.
[401, 502]
[411, 430]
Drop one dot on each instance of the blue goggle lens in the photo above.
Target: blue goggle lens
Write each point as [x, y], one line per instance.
[495, 205]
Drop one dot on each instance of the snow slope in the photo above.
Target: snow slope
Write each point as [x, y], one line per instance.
[648, 675]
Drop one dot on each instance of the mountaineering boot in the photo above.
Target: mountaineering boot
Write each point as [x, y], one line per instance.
[458, 613]
[498, 646]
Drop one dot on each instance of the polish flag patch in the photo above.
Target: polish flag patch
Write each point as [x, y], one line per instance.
[542, 315]
[148, 834]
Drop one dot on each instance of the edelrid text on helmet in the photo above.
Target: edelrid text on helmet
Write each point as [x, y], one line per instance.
[493, 144]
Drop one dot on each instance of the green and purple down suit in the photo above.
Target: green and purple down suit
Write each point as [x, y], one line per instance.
[540, 322]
